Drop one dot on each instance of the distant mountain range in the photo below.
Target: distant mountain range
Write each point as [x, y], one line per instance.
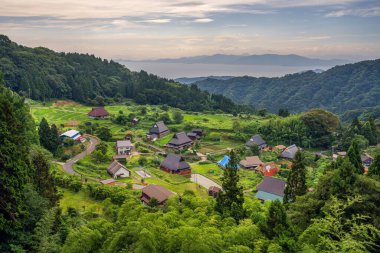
[264, 60]
[190, 80]
[348, 90]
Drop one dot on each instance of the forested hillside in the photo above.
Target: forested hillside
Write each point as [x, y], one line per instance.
[43, 74]
[348, 90]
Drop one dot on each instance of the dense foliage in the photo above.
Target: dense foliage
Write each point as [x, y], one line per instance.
[350, 89]
[43, 74]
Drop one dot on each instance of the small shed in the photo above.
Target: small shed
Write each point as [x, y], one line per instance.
[214, 191]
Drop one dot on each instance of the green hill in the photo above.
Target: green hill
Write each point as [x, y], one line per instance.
[349, 90]
[43, 74]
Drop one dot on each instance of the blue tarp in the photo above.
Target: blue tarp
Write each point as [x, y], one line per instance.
[223, 163]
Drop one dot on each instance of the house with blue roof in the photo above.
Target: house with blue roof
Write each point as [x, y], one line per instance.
[223, 163]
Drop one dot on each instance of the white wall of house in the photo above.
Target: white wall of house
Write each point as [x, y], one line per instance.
[122, 173]
[123, 150]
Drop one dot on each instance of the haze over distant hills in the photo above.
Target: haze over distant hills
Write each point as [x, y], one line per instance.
[263, 60]
[348, 90]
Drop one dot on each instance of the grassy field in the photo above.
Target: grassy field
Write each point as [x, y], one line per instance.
[81, 201]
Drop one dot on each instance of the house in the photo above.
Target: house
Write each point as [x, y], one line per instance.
[268, 169]
[223, 163]
[179, 141]
[157, 192]
[124, 147]
[366, 160]
[98, 113]
[110, 181]
[74, 135]
[250, 162]
[256, 140]
[158, 130]
[289, 152]
[116, 170]
[339, 154]
[175, 164]
[213, 191]
[271, 189]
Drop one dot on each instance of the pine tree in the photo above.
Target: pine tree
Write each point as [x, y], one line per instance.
[296, 183]
[54, 139]
[353, 154]
[356, 126]
[276, 220]
[230, 201]
[374, 169]
[44, 133]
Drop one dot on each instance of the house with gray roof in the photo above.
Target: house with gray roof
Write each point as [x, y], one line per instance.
[179, 141]
[256, 140]
[158, 130]
[289, 152]
[116, 170]
[175, 164]
[271, 189]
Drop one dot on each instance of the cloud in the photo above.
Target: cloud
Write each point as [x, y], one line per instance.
[364, 12]
[203, 20]
[156, 21]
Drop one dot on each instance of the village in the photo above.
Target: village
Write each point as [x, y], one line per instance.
[161, 160]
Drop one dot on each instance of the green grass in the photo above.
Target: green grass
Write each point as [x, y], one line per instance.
[81, 201]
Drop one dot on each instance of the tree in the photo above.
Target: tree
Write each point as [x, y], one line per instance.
[296, 183]
[165, 118]
[255, 149]
[104, 133]
[230, 200]
[374, 169]
[43, 178]
[283, 112]
[177, 117]
[276, 221]
[353, 154]
[54, 138]
[44, 133]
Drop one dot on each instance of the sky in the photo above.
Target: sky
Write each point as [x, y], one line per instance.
[138, 30]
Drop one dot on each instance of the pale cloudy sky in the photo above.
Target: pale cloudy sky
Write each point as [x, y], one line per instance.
[348, 29]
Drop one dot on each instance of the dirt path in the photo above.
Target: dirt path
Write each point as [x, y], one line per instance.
[68, 166]
[203, 181]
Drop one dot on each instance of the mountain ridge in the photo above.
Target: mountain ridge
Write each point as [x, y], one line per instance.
[254, 59]
[341, 89]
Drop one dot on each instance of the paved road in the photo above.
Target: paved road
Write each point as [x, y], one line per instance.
[68, 166]
[203, 181]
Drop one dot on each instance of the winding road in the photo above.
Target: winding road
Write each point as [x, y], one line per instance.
[68, 166]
